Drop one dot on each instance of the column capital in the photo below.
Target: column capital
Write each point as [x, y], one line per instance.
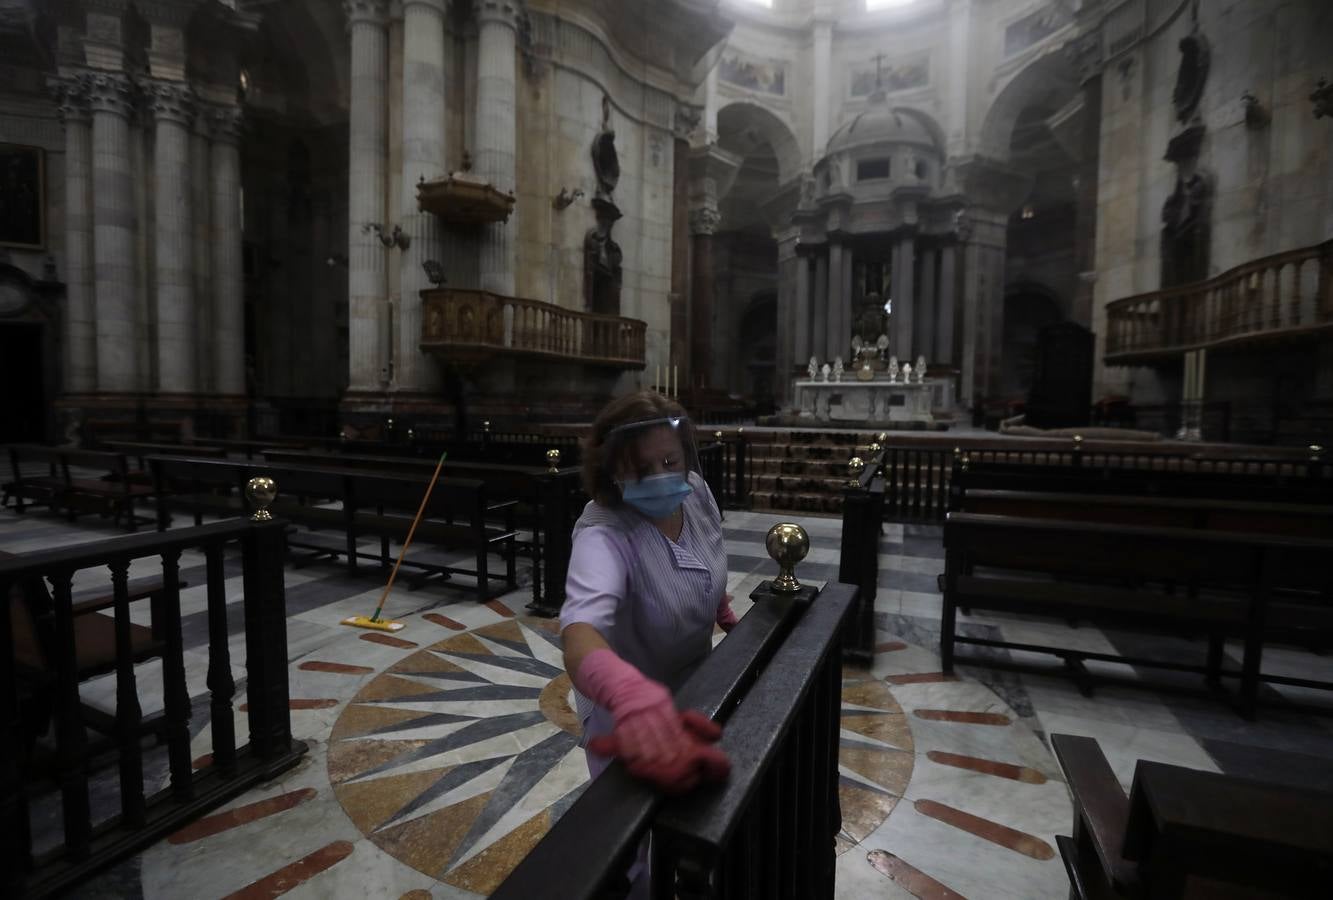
[71, 92]
[226, 123]
[171, 101]
[502, 12]
[368, 12]
[439, 6]
[111, 92]
[705, 220]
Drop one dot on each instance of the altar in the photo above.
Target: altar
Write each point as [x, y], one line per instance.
[870, 402]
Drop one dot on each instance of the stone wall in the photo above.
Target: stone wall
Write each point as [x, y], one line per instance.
[1271, 179]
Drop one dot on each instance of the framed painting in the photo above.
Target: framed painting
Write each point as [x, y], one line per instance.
[22, 197]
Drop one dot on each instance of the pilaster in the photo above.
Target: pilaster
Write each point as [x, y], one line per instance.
[173, 106]
[111, 96]
[72, 94]
[228, 285]
[496, 132]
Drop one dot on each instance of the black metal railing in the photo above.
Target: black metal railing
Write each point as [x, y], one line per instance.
[858, 560]
[768, 831]
[51, 642]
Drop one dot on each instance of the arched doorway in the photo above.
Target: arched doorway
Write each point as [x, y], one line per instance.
[1027, 309]
[758, 356]
[29, 367]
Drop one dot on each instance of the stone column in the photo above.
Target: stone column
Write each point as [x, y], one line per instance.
[833, 333]
[819, 314]
[114, 225]
[801, 315]
[983, 304]
[927, 309]
[201, 257]
[904, 297]
[172, 104]
[80, 320]
[367, 151]
[959, 68]
[823, 102]
[228, 286]
[947, 297]
[494, 136]
[703, 226]
[423, 157]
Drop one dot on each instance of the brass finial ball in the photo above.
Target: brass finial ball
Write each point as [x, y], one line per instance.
[788, 544]
[261, 491]
[875, 448]
[883, 438]
[717, 435]
[552, 460]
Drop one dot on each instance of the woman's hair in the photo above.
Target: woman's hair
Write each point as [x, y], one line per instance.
[643, 406]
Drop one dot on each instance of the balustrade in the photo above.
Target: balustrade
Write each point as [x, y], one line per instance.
[48, 648]
[470, 326]
[1286, 294]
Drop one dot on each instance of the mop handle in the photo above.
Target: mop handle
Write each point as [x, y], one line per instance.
[411, 531]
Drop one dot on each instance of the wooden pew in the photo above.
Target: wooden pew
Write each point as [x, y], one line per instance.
[112, 494]
[359, 505]
[1186, 833]
[1291, 519]
[1254, 587]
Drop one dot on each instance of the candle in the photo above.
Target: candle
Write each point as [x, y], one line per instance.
[657, 378]
[675, 382]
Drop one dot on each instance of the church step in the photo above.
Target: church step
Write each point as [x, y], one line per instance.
[783, 501]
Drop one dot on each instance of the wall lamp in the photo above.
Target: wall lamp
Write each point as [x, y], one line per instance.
[396, 238]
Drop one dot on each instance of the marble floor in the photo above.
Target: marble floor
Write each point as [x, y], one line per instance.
[440, 754]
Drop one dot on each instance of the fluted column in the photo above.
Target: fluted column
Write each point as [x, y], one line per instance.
[703, 226]
[948, 297]
[114, 225]
[367, 309]
[172, 105]
[201, 262]
[819, 314]
[423, 157]
[904, 297]
[80, 328]
[228, 288]
[801, 335]
[927, 308]
[495, 133]
[835, 339]
[983, 303]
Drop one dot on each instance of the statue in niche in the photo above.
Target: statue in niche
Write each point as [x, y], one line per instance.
[870, 318]
[1185, 230]
[601, 254]
[601, 270]
[605, 160]
[1190, 77]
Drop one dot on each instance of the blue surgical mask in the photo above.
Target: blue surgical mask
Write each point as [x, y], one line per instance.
[656, 496]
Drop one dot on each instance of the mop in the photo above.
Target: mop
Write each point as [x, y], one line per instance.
[373, 620]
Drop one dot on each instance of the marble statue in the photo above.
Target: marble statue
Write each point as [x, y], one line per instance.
[837, 369]
[920, 367]
[893, 369]
[907, 373]
[813, 368]
[825, 371]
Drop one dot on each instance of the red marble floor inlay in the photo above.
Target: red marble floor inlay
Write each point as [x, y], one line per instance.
[205, 760]
[920, 678]
[500, 609]
[241, 815]
[275, 884]
[912, 879]
[1009, 838]
[388, 640]
[960, 715]
[303, 703]
[890, 646]
[444, 621]
[987, 766]
[316, 665]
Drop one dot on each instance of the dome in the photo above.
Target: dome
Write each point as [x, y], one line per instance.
[881, 125]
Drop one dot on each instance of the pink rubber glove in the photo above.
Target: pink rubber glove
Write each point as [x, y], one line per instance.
[726, 619]
[653, 739]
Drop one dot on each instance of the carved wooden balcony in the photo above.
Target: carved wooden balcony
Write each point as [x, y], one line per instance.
[1282, 297]
[469, 327]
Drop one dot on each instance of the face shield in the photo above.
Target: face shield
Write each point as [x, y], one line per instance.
[650, 462]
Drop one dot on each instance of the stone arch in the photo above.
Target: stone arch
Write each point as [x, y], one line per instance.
[742, 116]
[1049, 82]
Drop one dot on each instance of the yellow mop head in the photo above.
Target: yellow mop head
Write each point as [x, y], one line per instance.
[377, 624]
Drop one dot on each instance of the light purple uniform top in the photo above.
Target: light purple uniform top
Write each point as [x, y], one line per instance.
[654, 600]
